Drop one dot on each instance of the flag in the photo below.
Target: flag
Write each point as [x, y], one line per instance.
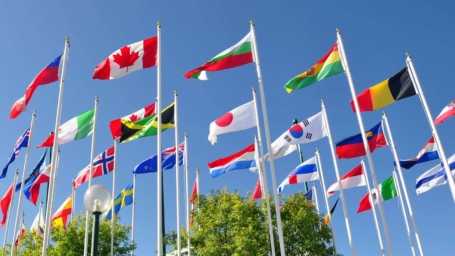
[283, 151]
[5, 202]
[329, 65]
[434, 177]
[309, 196]
[351, 179]
[34, 173]
[22, 142]
[124, 198]
[235, 56]
[38, 223]
[147, 126]
[102, 165]
[31, 189]
[129, 58]
[387, 190]
[392, 89]
[20, 234]
[194, 192]
[446, 113]
[243, 159]
[167, 157]
[428, 153]
[116, 125]
[329, 215]
[76, 128]
[309, 130]
[306, 171]
[61, 215]
[257, 193]
[48, 75]
[238, 119]
[352, 147]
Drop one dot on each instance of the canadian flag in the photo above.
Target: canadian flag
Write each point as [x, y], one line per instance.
[129, 58]
[116, 125]
[351, 179]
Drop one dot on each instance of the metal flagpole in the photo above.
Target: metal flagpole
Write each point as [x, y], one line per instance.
[295, 122]
[40, 213]
[5, 239]
[337, 172]
[373, 208]
[423, 100]
[269, 139]
[92, 155]
[114, 172]
[177, 171]
[187, 189]
[54, 152]
[73, 194]
[321, 172]
[133, 213]
[403, 184]
[24, 171]
[159, 179]
[47, 185]
[263, 172]
[315, 196]
[411, 242]
[364, 138]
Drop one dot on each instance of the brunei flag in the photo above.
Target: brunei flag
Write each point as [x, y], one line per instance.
[147, 126]
[392, 89]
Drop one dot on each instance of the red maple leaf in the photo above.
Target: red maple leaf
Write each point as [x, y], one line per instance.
[125, 59]
[133, 118]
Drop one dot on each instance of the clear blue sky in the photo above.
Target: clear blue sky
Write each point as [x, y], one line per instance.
[292, 36]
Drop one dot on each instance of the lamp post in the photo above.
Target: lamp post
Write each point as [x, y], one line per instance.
[97, 200]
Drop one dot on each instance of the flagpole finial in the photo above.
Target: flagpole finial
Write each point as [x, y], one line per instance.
[175, 93]
[158, 23]
[67, 39]
[317, 149]
[251, 22]
[322, 100]
[383, 112]
[338, 30]
[17, 171]
[295, 121]
[407, 54]
[253, 89]
[185, 134]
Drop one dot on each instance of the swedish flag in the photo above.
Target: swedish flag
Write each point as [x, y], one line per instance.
[123, 199]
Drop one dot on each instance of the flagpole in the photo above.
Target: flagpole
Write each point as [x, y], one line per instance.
[114, 172]
[92, 155]
[263, 172]
[411, 242]
[5, 239]
[73, 194]
[337, 172]
[158, 144]
[187, 187]
[177, 171]
[47, 184]
[268, 137]
[321, 172]
[295, 122]
[24, 171]
[403, 184]
[40, 213]
[54, 152]
[364, 138]
[315, 197]
[423, 100]
[373, 207]
[133, 213]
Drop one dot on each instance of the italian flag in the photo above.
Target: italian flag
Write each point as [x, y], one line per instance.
[77, 128]
[237, 55]
[387, 190]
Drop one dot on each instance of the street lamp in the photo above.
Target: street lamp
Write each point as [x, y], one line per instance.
[97, 200]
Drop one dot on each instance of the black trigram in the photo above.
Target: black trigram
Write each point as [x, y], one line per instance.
[287, 138]
[308, 136]
[306, 123]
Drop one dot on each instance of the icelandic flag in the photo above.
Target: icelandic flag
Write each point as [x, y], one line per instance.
[168, 161]
[428, 153]
[434, 177]
[306, 171]
[22, 142]
[243, 159]
[34, 174]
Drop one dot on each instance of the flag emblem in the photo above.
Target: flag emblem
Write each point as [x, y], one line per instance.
[296, 131]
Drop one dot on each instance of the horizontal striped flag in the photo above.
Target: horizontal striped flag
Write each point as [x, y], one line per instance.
[428, 153]
[446, 113]
[243, 159]
[351, 179]
[306, 171]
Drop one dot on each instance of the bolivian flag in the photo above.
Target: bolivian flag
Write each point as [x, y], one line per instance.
[392, 89]
[147, 126]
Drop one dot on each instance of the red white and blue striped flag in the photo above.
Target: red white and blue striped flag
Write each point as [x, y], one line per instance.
[428, 153]
[241, 160]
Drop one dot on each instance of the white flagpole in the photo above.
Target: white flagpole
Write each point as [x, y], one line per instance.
[40, 213]
[73, 194]
[114, 176]
[92, 156]
[423, 100]
[373, 207]
[403, 184]
[54, 152]
[315, 196]
[411, 242]
[321, 179]
[364, 138]
[269, 139]
[133, 213]
[177, 171]
[5, 239]
[187, 190]
[337, 172]
[159, 179]
[24, 171]
[263, 172]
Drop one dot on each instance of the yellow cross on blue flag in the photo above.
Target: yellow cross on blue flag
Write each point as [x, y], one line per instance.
[123, 199]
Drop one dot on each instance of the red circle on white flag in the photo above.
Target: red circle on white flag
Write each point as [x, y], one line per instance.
[225, 120]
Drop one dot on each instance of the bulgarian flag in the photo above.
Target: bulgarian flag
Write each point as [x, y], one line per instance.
[77, 128]
[235, 56]
[387, 190]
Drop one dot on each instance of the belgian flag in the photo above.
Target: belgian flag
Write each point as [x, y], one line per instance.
[147, 126]
[395, 88]
[328, 217]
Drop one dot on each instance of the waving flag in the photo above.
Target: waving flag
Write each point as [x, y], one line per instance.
[121, 200]
[31, 189]
[116, 125]
[428, 153]
[34, 173]
[434, 177]
[48, 75]
[387, 190]
[61, 215]
[22, 142]
[306, 171]
[5, 202]
[103, 164]
[243, 159]
[351, 179]
[257, 193]
[20, 233]
[168, 161]
[38, 223]
[446, 113]
[328, 217]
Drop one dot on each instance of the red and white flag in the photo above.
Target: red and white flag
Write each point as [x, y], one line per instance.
[351, 179]
[129, 58]
[446, 113]
[103, 164]
[116, 125]
[257, 193]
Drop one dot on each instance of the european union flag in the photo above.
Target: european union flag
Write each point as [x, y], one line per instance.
[123, 199]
